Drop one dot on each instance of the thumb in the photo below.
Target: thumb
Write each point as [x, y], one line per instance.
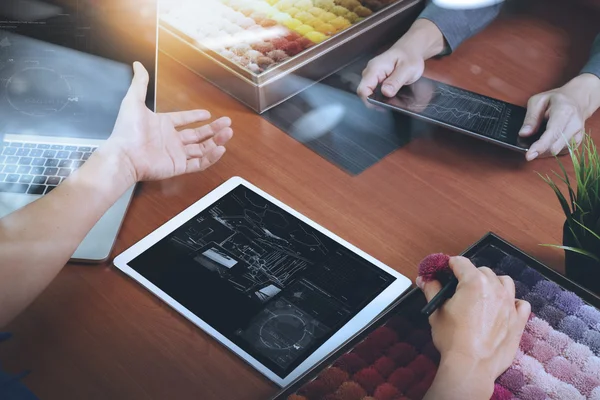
[430, 289]
[139, 85]
[523, 313]
[536, 108]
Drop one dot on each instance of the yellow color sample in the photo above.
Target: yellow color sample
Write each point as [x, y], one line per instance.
[316, 11]
[304, 16]
[284, 5]
[339, 11]
[326, 17]
[281, 17]
[324, 4]
[316, 37]
[293, 11]
[303, 4]
[340, 23]
[304, 29]
[325, 28]
[352, 17]
[292, 23]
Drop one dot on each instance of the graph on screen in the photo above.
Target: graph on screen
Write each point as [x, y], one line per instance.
[466, 110]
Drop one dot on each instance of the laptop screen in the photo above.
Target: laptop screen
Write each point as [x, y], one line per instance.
[65, 65]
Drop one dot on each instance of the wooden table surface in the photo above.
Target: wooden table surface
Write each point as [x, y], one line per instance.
[94, 334]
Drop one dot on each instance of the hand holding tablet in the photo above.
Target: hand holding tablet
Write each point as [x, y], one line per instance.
[463, 111]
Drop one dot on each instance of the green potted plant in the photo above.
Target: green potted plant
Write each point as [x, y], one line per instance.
[581, 205]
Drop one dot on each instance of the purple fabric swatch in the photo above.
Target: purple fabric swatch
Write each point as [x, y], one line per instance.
[569, 302]
[592, 367]
[558, 340]
[547, 289]
[591, 338]
[532, 392]
[530, 367]
[547, 382]
[589, 315]
[572, 327]
[578, 354]
[512, 379]
[531, 277]
[521, 290]
[595, 395]
[542, 351]
[538, 328]
[552, 315]
[565, 391]
[586, 383]
[562, 369]
[537, 302]
[527, 342]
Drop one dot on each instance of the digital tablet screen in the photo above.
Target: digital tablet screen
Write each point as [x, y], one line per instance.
[264, 279]
[461, 110]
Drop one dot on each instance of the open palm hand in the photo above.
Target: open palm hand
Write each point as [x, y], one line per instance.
[154, 146]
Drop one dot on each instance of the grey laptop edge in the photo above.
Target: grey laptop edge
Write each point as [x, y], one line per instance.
[64, 69]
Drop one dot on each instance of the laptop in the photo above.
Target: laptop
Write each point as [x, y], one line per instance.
[64, 69]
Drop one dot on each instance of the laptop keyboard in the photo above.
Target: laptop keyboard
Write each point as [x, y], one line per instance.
[37, 168]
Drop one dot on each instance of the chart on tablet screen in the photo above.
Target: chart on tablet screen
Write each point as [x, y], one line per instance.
[466, 110]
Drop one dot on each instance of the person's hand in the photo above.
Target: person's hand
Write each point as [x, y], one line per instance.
[153, 146]
[477, 331]
[566, 109]
[392, 69]
[404, 62]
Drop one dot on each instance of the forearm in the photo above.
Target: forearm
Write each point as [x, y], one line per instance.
[585, 89]
[456, 26]
[37, 240]
[457, 379]
[423, 39]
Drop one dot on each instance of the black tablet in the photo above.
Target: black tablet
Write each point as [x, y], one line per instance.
[462, 111]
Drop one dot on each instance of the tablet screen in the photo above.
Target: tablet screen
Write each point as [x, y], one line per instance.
[264, 279]
[460, 110]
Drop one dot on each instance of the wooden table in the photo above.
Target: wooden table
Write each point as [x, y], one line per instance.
[94, 334]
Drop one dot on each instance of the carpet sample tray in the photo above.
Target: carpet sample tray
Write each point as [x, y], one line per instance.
[559, 355]
[265, 51]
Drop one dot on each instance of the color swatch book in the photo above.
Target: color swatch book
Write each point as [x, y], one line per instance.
[261, 34]
[558, 356]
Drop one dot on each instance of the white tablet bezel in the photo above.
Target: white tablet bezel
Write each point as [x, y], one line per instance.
[347, 332]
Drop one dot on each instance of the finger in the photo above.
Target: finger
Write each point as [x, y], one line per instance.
[488, 273]
[365, 89]
[189, 136]
[398, 78]
[209, 159]
[555, 130]
[430, 289]
[201, 149]
[508, 284]
[182, 118]
[523, 312]
[536, 108]
[461, 267]
[139, 85]
[574, 128]
[578, 139]
[369, 81]
[194, 151]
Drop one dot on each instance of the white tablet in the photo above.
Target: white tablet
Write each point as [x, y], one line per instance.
[273, 286]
